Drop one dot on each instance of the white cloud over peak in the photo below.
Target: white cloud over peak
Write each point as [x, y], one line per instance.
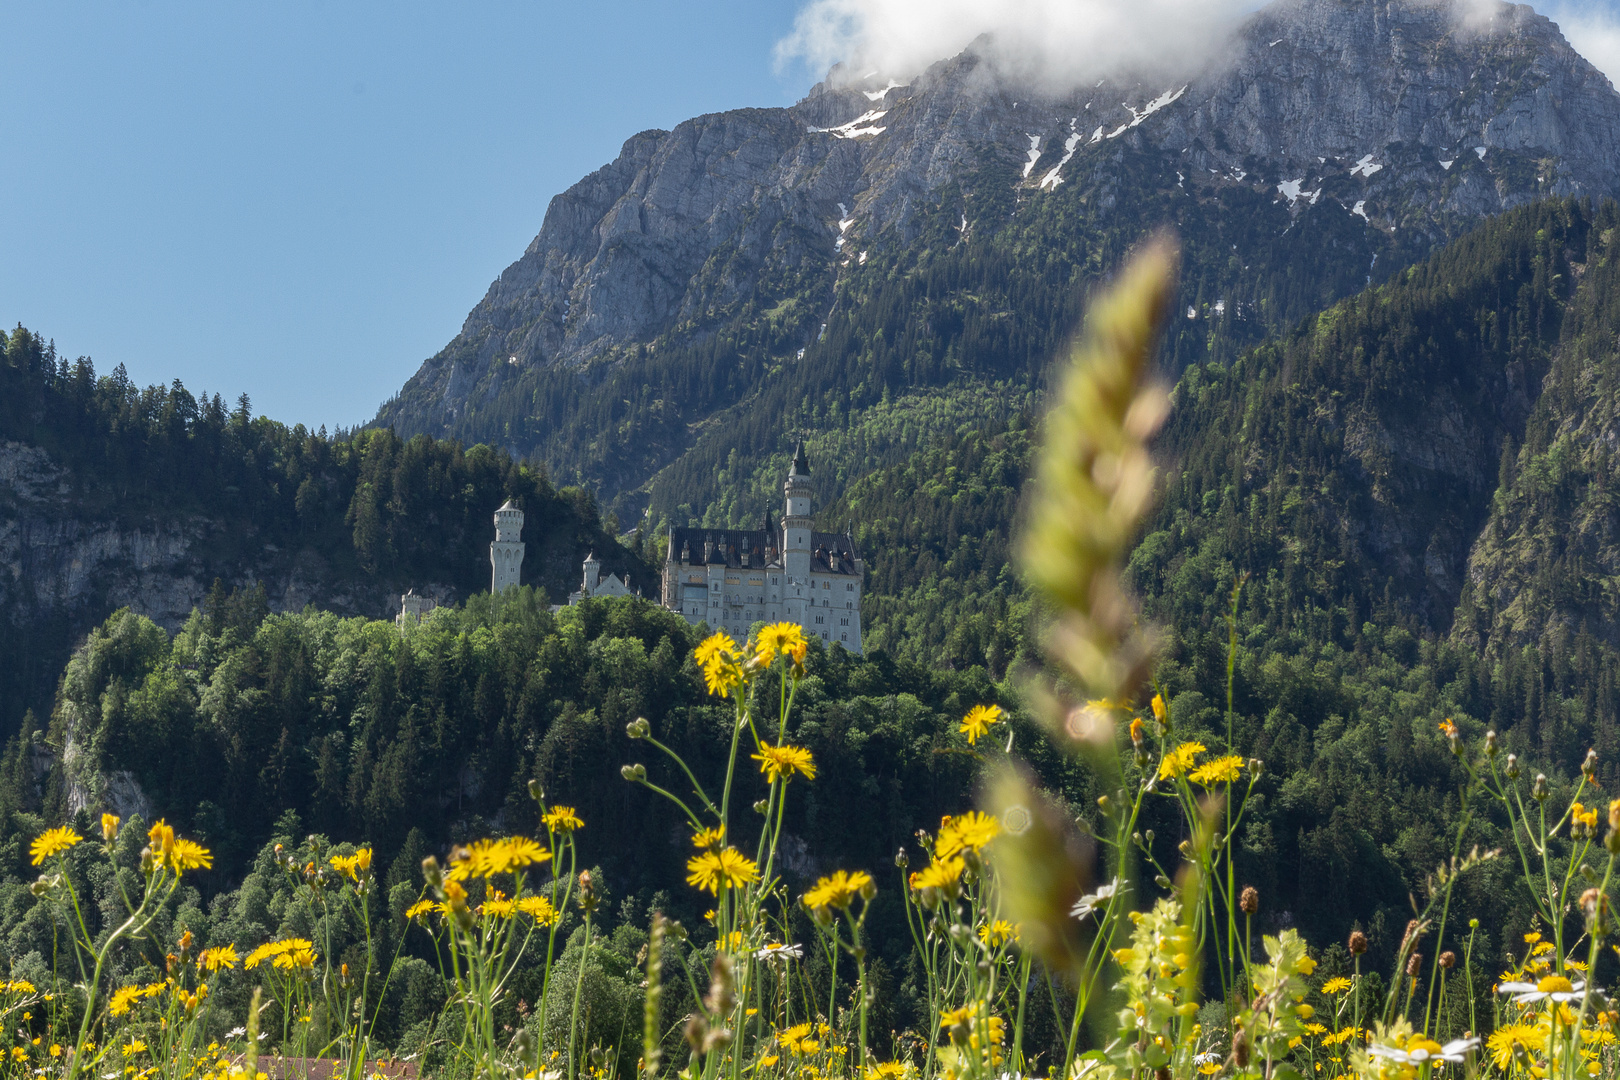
[1061, 43]
[1054, 41]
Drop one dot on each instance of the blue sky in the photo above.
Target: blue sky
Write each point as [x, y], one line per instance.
[302, 200]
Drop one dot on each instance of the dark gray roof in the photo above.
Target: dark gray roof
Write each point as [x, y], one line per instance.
[831, 553]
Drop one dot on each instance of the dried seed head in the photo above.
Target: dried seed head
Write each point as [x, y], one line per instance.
[1448, 960]
[1357, 943]
[1249, 900]
[1414, 965]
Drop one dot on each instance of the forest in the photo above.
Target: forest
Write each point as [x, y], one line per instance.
[1333, 508]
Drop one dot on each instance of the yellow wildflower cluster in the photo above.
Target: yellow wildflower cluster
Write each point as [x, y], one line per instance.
[974, 1041]
[177, 853]
[124, 998]
[353, 867]
[488, 858]
[839, 890]
[726, 665]
[290, 954]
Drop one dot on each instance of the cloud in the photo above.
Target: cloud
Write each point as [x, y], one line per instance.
[1055, 42]
[1061, 43]
[1594, 31]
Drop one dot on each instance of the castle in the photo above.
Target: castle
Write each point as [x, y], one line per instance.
[787, 572]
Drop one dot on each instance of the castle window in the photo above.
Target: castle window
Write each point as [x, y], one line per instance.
[849, 587]
[843, 622]
[818, 618]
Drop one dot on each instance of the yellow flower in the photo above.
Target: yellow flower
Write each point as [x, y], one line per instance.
[20, 986]
[272, 951]
[56, 1050]
[486, 858]
[783, 638]
[1179, 760]
[1222, 770]
[797, 1040]
[717, 656]
[421, 907]
[562, 819]
[1503, 1040]
[134, 1046]
[978, 720]
[886, 1070]
[222, 957]
[18, 1054]
[122, 999]
[777, 762]
[713, 869]
[498, 906]
[188, 855]
[838, 890]
[996, 934]
[540, 910]
[708, 839]
[939, 874]
[353, 866]
[970, 830]
[1336, 985]
[1158, 708]
[53, 842]
[109, 827]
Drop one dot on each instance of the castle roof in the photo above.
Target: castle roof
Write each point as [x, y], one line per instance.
[507, 505]
[801, 463]
[831, 553]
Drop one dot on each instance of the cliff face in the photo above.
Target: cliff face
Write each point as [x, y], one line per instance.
[1397, 115]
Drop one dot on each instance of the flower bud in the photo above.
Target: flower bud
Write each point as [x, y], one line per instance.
[1161, 881]
[1149, 835]
[1589, 766]
[536, 792]
[587, 892]
[1186, 849]
[901, 859]
[1513, 766]
[1105, 804]
[431, 872]
[638, 728]
[1357, 943]
[109, 827]
[1491, 749]
[1256, 767]
[761, 806]
[1249, 900]
[636, 774]
[1538, 790]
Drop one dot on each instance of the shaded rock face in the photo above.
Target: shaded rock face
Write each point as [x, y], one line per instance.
[64, 566]
[1402, 113]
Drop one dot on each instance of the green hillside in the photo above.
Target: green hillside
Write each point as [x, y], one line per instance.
[363, 515]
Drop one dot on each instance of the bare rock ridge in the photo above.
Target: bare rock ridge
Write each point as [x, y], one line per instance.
[1400, 112]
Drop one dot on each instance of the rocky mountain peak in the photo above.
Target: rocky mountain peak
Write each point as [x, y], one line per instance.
[1397, 112]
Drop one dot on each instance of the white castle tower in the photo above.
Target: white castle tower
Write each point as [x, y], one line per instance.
[796, 535]
[506, 553]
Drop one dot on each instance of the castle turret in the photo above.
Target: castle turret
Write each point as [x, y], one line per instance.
[593, 573]
[506, 553]
[796, 519]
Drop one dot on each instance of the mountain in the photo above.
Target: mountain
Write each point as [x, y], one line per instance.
[880, 264]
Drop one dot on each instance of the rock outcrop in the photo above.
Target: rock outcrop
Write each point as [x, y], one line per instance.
[1403, 113]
